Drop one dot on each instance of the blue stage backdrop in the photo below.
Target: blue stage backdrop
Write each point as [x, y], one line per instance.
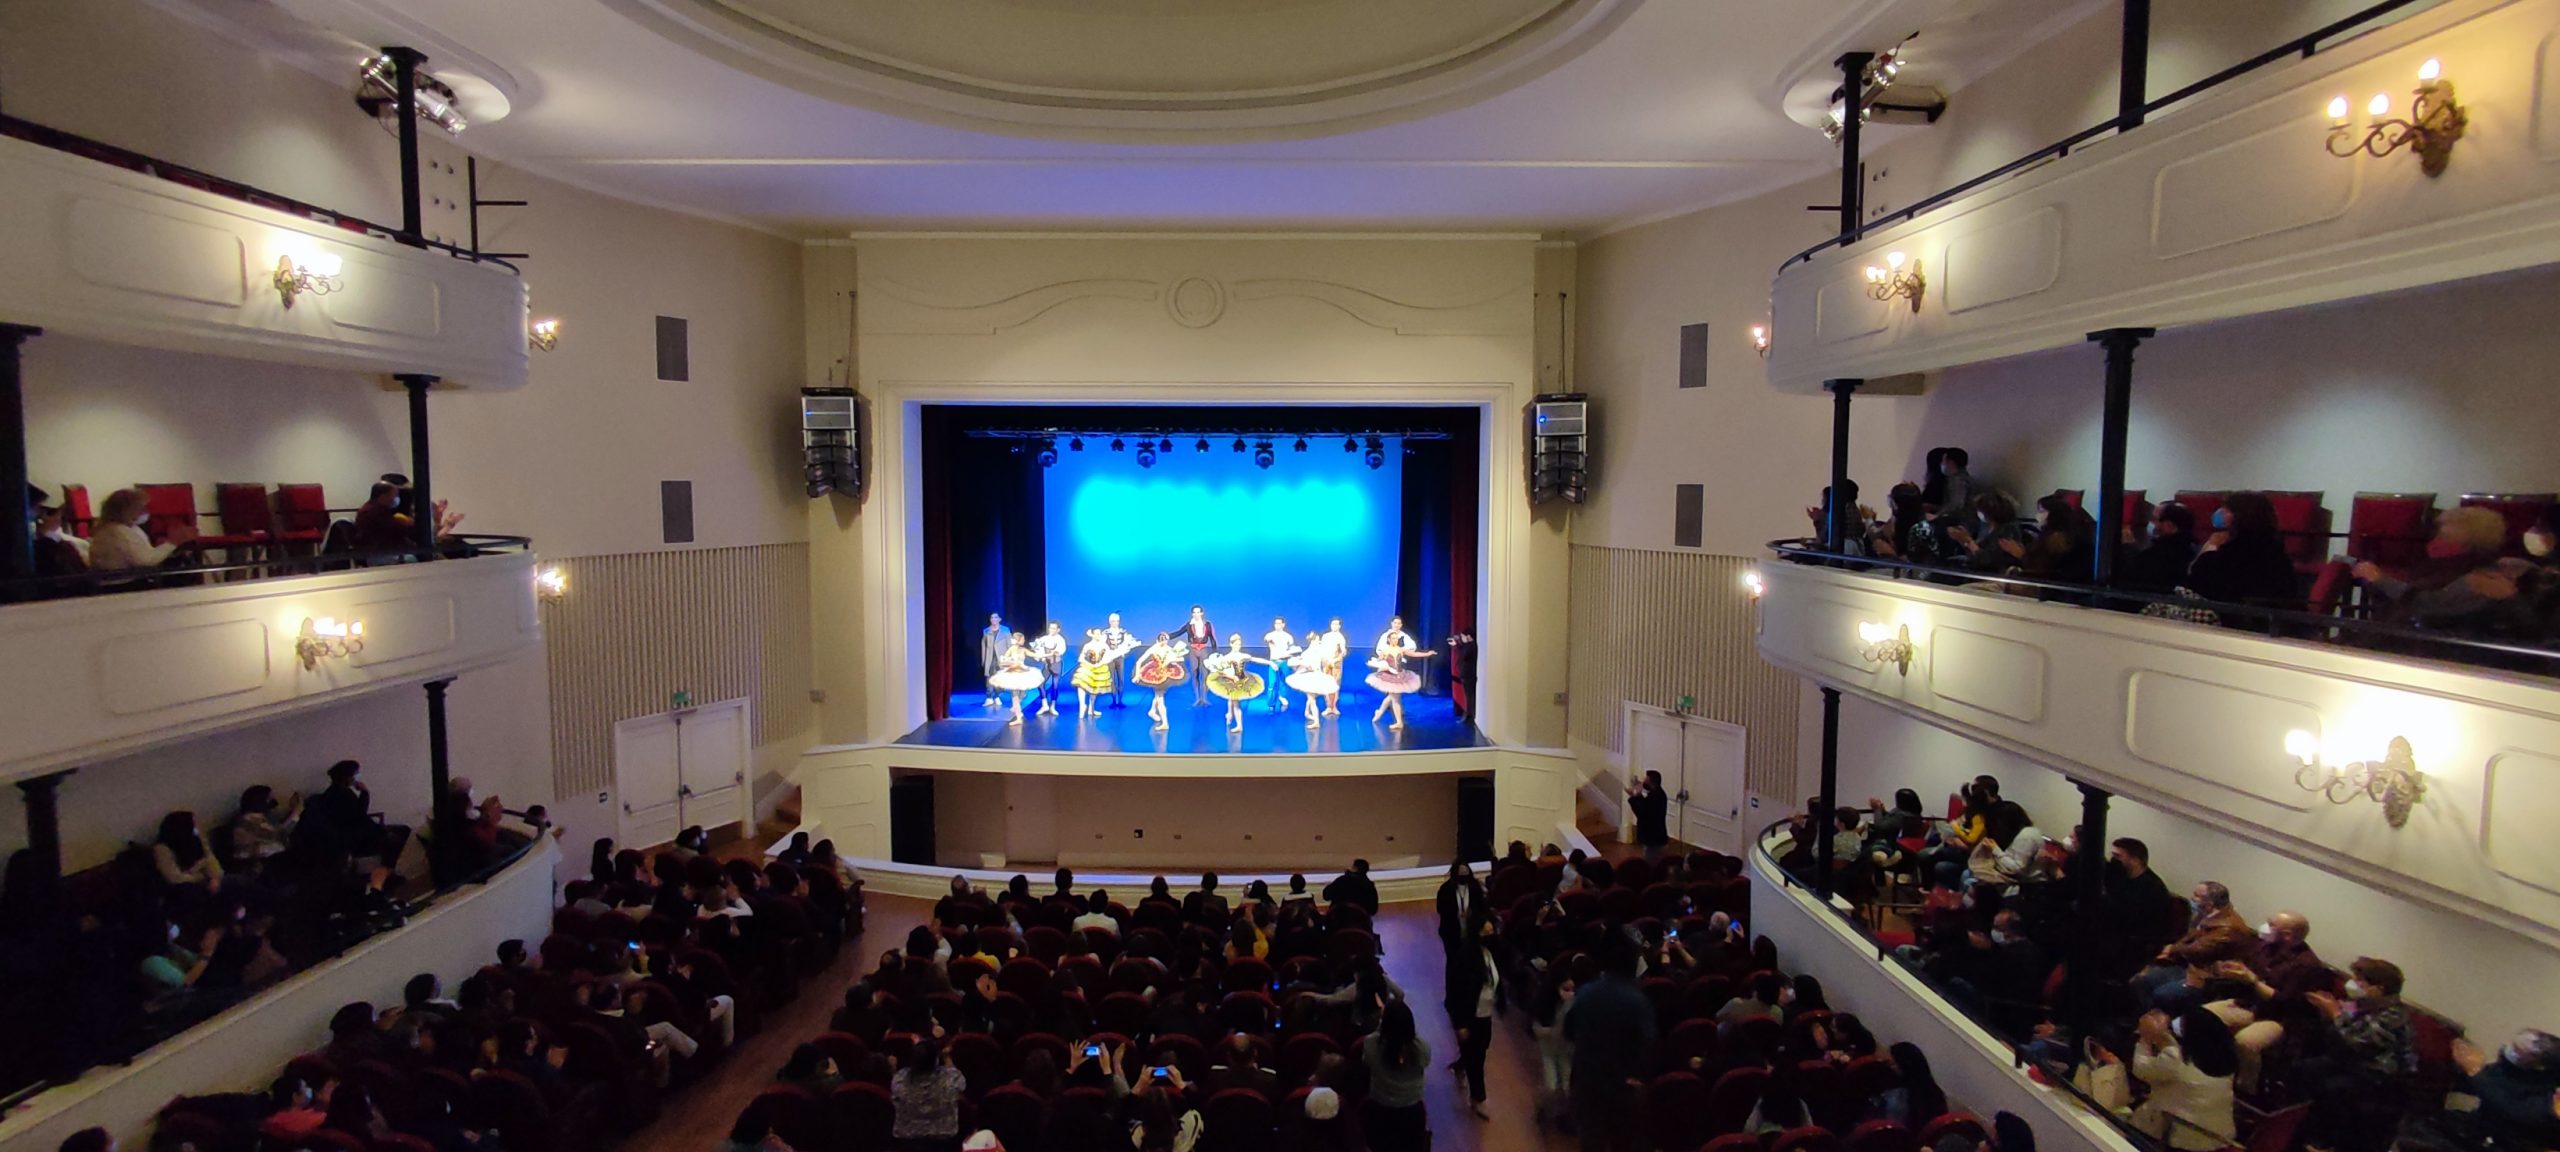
[1314, 536]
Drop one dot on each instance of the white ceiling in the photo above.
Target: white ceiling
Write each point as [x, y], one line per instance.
[1672, 107]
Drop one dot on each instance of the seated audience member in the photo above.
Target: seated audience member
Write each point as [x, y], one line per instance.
[2141, 913]
[117, 542]
[811, 1068]
[243, 957]
[298, 1111]
[1853, 525]
[89, 1140]
[339, 823]
[1915, 1099]
[926, 1093]
[1097, 914]
[384, 524]
[1951, 488]
[57, 551]
[2188, 1064]
[263, 827]
[2462, 584]
[2159, 563]
[1914, 533]
[1888, 828]
[1759, 1002]
[2019, 859]
[2272, 992]
[2216, 933]
[180, 962]
[753, 1132]
[2357, 1086]
[2243, 561]
[1159, 1118]
[2065, 544]
[2001, 972]
[2518, 1090]
[1997, 541]
[1205, 906]
[1239, 1065]
[191, 870]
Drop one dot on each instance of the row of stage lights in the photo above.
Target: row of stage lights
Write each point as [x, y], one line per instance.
[1264, 452]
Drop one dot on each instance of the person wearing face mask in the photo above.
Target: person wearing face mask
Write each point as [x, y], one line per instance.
[2273, 994]
[1463, 908]
[2243, 561]
[2158, 563]
[2356, 1086]
[2462, 585]
[2189, 1063]
[2140, 909]
[2215, 934]
[1998, 541]
[118, 542]
[1954, 487]
[2516, 1090]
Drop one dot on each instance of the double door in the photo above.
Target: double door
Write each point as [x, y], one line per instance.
[1701, 762]
[681, 768]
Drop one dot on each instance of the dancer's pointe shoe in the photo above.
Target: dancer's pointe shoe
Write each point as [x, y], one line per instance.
[1398, 726]
[1378, 715]
[1312, 722]
[1016, 722]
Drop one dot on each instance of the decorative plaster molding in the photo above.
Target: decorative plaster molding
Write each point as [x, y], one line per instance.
[1501, 314]
[988, 317]
[1192, 301]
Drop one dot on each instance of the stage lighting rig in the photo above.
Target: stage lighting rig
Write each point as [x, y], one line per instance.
[1165, 445]
[1146, 454]
[1202, 445]
[1119, 445]
[1048, 453]
[1262, 455]
[1302, 444]
[1239, 443]
[1076, 444]
[1350, 444]
[1376, 457]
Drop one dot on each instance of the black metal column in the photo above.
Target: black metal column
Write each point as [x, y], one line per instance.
[2090, 927]
[1839, 513]
[404, 74]
[2112, 421]
[2133, 83]
[1818, 823]
[421, 469]
[443, 819]
[44, 838]
[17, 536]
[1853, 85]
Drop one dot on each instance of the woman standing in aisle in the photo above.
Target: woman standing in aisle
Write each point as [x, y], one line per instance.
[1397, 1058]
[1389, 675]
[1093, 672]
[1230, 675]
[1159, 669]
[1015, 674]
[1310, 678]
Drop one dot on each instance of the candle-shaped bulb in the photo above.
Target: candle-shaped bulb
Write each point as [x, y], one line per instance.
[2381, 105]
[2338, 110]
[2430, 71]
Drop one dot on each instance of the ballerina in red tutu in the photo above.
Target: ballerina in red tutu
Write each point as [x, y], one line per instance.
[1159, 669]
[1390, 676]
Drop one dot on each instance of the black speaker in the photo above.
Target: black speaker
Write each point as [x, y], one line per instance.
[911, 820]
[1475, 818]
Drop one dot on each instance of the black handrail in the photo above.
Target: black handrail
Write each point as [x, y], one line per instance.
[2281, 623]
[2052, 1078]
[36, 588]
[2304, 46]
[128, 159]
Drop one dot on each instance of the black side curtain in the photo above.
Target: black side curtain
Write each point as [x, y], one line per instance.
[1435, 569]
[997, 525]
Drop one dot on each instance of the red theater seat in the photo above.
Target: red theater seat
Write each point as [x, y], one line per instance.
[2521, 510]
[2390, 528]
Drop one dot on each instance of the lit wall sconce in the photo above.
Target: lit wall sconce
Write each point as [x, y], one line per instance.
[551, 585]
[1753, 584]
[1760, 340]
[1882, 644]
[2393, 781]
[2435, 121]
[318, 276]
[544, 335]
[1900, 277]
[326, 638]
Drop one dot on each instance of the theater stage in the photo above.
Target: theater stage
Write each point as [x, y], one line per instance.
[1431, 724]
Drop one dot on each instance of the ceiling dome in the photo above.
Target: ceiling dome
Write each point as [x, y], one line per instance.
[1142, 69]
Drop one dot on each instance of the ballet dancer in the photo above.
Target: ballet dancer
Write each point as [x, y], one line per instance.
[1200, 639]
[1159, 669]
[1337, 648]
[1093, 672]
[991, 644]
[1123, 642]
[1283, 646]
[1049, 652]
[1310, 678]
[1015, 674]
[1230, 674]
[1390, 676]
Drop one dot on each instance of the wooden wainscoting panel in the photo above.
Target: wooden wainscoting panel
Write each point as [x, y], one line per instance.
[1652, 627]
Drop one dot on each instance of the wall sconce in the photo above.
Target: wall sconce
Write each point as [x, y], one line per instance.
[326, 638]
[318, 276]
[1760, 340]
[2435, 122]
[2393, 781]
[1882, 644]
[544, 335]
[1900, 277]
[1753, 584]
[551, 585]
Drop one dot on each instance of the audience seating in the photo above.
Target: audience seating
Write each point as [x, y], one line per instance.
[302, 514]
[2521, 510]
[2304, 524]
[2390, 528]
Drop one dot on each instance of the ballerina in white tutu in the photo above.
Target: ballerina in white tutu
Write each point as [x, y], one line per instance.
[1015, 674]
[1389, 676]
[1309, 676]
[1230, 674]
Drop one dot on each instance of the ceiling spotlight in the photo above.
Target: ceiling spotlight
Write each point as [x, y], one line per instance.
[1048, 453]
[1350, 444]
[1376, 456]
[1165, 445]
[1202, 445]
[378, 93]
[1146, 455]
[1239, 443]
[1117, 445]
[1302, 444]
[1076, 444]
[1262, 456]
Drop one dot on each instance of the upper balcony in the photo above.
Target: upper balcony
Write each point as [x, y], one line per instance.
[94, 676]
[2232, 201]
[2234, 729]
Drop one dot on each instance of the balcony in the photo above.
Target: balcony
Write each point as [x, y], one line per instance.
[96, 676]
[2214, 724]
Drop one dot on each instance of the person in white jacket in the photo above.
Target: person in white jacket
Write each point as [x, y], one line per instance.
[2188, 1064]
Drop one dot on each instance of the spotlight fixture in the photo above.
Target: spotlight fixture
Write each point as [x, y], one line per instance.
[544, 336]
[1075, 444]
[1202, 445]
[1048, 453]
[316, 275]
[378, 93]
[2393, 781]
[2435, 122]
[1146, 454]
[1900, 277]
[1350, 444]
[551, 584]
[1165, 445]
[1760, 340]
[1879, 76]
[1881, 644]
[1301, 444]
[1376, 457]
[327, 639]
[1262, 454]
[1239, 443]
[1117, 445]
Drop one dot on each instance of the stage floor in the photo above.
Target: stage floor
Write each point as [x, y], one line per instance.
[1431, 724]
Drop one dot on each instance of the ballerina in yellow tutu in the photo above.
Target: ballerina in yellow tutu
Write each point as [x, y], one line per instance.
[1093, 672]
[1389, 675]
[1159, 669]
[1230, 674]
